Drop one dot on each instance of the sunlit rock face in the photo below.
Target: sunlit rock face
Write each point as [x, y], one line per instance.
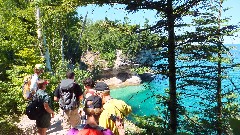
[120, 74]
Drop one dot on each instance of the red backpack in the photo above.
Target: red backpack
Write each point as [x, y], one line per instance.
[90, 131]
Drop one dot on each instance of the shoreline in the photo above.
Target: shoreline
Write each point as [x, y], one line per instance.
[134, 80]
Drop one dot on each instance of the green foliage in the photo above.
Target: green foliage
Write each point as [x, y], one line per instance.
[7, 126]
[142, 70]
[105, 37]
[235, 124]
[28, 56]
[152, 125]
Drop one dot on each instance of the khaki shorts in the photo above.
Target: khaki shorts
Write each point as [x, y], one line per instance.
[71, 118]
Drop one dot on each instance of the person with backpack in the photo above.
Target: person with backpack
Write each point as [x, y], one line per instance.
[88, 84]
[68, 94]
[43, 122]
[114, 110]
[30, 82]
[93, 109]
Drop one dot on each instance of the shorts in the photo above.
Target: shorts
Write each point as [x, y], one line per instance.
[71, 118]
[44, 121]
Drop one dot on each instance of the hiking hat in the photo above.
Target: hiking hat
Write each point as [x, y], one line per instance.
[101, 86]
[93, 102]
[39, 66]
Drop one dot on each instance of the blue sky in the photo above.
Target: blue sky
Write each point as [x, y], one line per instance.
[117, 12]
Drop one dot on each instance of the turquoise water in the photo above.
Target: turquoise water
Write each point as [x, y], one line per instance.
[135, 97]
[143, 101]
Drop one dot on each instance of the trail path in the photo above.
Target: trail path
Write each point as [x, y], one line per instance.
[28, 126]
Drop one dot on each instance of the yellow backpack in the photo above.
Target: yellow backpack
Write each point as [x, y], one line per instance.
[26, 87]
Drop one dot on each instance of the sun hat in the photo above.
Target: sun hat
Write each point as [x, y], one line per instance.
[39, 66]
[93, 101]
[101, 86]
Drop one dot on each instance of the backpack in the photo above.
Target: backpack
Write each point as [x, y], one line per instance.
[68, 99]
[34, 109]
[88, 130]
[26, 87]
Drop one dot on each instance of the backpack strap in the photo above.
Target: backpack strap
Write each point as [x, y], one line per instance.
[87, 126]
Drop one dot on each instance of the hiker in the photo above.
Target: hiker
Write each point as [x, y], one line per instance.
[68, 94]
[89, 84]
[93, 109]
[43, 123]
[114, 110]
[38, 70]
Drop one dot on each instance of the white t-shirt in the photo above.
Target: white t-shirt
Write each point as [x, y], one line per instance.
[33, 86]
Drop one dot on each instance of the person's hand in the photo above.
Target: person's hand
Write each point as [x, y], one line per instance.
[52, 115]
[120, 126]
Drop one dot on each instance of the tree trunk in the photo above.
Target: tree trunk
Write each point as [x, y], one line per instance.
[39, 31]
[44, 51]
[219, 79]
[62, 47]
[172, 69]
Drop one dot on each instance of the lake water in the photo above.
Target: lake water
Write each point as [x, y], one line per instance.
[143, 101]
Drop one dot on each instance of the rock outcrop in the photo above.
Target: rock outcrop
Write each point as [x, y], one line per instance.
[120, 74]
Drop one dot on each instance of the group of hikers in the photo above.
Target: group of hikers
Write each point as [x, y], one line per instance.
[89, 111]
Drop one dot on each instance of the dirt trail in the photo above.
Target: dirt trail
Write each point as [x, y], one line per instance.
[28, 126]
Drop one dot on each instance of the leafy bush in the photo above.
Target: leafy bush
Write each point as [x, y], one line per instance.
[7, 126]
[152, 125]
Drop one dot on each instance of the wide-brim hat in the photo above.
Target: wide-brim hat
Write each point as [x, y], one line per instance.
[101, 86]
[39, 66]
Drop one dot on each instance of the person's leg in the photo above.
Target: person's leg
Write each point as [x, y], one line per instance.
[65, 121]
[74, 117]
[43, 123]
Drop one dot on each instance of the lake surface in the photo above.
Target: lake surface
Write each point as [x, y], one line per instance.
[143, 101]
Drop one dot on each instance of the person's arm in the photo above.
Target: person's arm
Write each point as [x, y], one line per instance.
[56, 94]
[55, 99]
[79, 92]
[48, 109]
[46, 106]
[127, 109]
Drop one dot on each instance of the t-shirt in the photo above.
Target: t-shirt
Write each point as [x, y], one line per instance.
[116, 107]
[77, 91]
[43, 97]
[33, 86]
